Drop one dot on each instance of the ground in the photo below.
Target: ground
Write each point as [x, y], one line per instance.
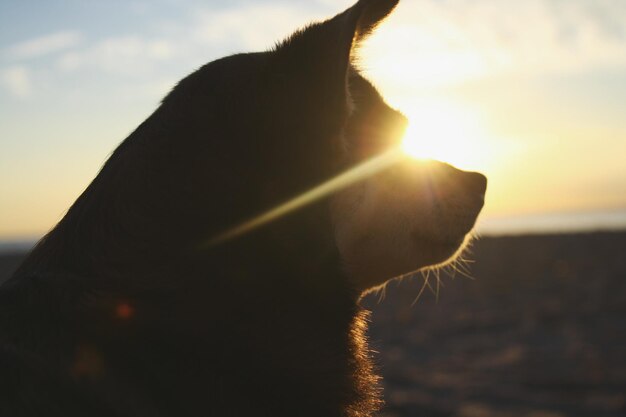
[539, 332]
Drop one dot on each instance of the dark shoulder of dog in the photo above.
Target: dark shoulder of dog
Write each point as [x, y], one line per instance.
[130, 307]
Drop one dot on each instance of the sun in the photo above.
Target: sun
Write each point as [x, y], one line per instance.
[447, 132]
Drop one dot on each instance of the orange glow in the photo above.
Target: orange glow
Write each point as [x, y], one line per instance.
[124, 311]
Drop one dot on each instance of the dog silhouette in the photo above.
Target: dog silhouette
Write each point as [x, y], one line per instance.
[142, 301]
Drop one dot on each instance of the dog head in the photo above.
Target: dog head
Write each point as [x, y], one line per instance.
[246, 133]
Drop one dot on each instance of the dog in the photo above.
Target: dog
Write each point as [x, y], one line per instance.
[143, 302]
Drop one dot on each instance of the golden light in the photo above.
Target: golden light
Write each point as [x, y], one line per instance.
[449, 133]
[441, 131]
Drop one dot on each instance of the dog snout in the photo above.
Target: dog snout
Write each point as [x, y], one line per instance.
[475, 183]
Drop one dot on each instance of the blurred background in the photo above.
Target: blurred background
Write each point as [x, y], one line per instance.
[530, 93]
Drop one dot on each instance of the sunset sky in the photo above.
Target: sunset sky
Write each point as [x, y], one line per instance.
[532, 93]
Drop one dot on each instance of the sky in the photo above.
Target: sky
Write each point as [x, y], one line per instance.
[531, 93]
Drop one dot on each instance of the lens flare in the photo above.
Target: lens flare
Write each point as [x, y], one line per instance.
[435, 132]
[353, 175]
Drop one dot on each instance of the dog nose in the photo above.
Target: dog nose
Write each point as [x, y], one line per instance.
[475, 182]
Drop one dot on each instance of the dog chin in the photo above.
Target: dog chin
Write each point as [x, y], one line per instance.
[421, 254]
[451, 249]
[436, 252]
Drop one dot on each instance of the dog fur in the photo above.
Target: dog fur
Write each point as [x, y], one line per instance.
[121, 310]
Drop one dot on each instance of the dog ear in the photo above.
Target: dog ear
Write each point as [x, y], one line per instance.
[369, 14]
[324, 49]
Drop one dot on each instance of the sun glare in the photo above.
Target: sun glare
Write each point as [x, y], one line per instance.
[447, 133]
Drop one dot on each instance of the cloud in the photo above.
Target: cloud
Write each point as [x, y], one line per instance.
[429, 42]
[17, 81]
[44, 45]
[203, 35]
[254, 27]
[452, 41]
[121, 55]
